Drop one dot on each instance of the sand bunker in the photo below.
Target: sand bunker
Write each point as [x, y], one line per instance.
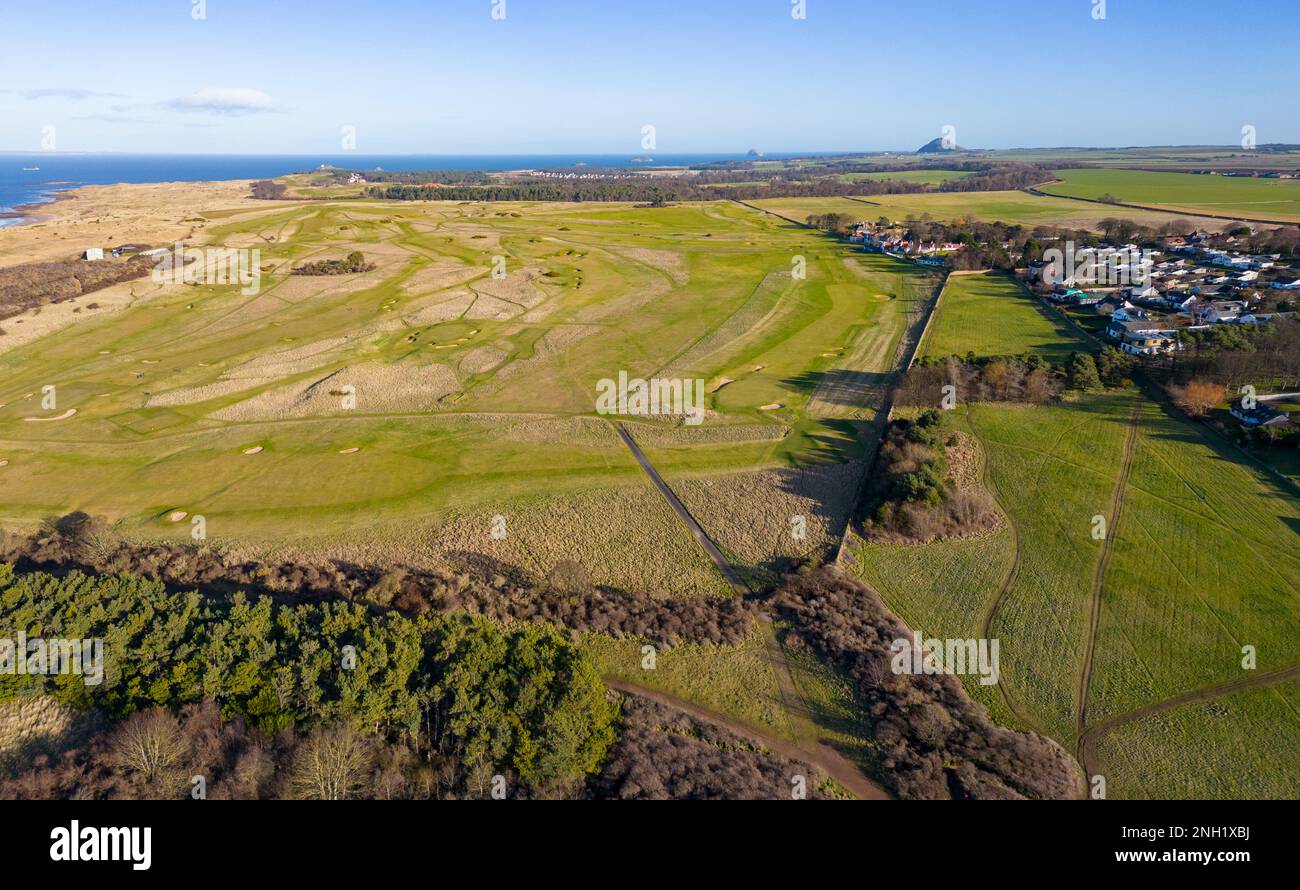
[256, 449]
[771, 407]
[349, 451]
[721, 383]
[177, 516]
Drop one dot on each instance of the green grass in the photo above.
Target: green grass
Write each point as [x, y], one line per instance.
[735, 681]
[942, 590]
[1016, 207]
[925, 177]
[702, 290]
[1242, 746]
[1206, 562]
[1229, 195]
[993, 314]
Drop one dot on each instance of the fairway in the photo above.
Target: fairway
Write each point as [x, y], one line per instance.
[992, 314]
[1261, 198]
[473, 394]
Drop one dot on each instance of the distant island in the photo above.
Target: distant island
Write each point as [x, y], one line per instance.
[938, 146]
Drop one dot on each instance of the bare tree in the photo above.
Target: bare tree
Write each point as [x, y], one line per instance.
[151, 745]
[334, 763]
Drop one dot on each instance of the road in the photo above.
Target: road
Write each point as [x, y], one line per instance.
[683, 514]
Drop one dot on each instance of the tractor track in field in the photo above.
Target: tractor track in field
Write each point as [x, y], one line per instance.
[1099, 577]
[1092, 736]
[991, 611]
[817, 754]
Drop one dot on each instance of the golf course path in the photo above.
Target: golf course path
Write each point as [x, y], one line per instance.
[822, 756]
[683, 514]
[1103, 564]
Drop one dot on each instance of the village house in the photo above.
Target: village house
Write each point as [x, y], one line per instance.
[1259, 416]
[1143, 337]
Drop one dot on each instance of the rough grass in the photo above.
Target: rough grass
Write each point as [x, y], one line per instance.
[735, 681]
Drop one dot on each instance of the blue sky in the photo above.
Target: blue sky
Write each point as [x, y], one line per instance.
[442, 76]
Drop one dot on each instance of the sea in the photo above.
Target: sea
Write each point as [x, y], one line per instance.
[37, 178]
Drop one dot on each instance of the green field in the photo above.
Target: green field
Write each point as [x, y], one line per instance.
[1203, 563]
[1242, 746]
[1015, 207]
[993, 314]
[924, 177]
[474, 396]
[1229, 195]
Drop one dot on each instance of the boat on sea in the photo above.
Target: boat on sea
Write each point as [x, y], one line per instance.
[31, 169]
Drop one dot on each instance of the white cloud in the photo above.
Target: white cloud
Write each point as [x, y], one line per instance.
[225, 100]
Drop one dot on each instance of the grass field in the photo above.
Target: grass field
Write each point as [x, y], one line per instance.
[993, 314]
[1229, 195]
[1242, 746]
[1204, 562]
[474, 395]
[1008, 206]
[925, 177]
[799, 209]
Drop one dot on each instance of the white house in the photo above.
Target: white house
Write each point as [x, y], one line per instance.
[93, 253]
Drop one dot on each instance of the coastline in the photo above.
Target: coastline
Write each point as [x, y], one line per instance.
[31, 212]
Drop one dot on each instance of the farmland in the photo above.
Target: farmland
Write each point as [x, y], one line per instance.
[1228, 195]
[993, 314]
[473, 430]
[1014, 207]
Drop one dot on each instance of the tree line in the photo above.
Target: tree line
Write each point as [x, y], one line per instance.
[520, 701]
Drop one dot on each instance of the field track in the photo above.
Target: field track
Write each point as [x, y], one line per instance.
[817, 754]
[1099, 578]
[1093, 735]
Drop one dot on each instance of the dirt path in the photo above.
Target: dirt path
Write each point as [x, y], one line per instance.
[1091, 737]
[822, 756]
[683, 514]
[991, 611]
